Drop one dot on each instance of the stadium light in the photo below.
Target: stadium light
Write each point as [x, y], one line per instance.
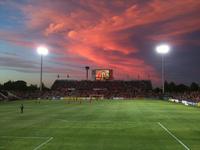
[163, 50]
[42, 51]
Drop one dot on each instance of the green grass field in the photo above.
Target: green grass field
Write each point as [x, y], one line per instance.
[102, 125]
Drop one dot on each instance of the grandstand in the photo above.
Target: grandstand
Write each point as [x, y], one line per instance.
[112, 88]
[5, 95]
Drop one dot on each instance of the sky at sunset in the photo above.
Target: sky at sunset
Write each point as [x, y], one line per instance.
[117, 34]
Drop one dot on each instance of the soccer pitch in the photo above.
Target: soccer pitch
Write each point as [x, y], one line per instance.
[101, 125]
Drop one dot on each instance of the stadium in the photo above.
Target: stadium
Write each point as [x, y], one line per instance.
[103, 75]
[102, 113]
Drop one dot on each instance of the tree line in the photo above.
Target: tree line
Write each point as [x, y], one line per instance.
[19, 86]
[171, 87]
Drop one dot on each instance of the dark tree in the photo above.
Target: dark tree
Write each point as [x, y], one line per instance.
[44, 87]
[8, 85]
[194, 87]
[32, 87]
[182, 88]
[157, 90]
[172, 87]
[15, 85]
[1, 87]
[20, 85]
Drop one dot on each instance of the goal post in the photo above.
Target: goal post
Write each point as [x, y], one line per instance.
[96, 97]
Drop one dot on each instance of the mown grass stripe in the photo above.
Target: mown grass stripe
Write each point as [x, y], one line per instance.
[24, 137]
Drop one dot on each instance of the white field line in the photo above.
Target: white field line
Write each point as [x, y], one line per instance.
[31, 137]
[162, 126]
[42, 144]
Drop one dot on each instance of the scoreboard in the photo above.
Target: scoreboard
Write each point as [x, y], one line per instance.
[102, 74]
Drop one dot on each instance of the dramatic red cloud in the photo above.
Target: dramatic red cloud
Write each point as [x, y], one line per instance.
[102, 33]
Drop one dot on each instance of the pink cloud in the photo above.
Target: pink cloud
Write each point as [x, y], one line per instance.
[92, 30]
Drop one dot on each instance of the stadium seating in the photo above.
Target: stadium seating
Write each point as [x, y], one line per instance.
[5, 95]
[115, 88]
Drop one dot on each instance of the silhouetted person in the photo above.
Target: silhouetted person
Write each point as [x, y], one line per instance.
[22, 108]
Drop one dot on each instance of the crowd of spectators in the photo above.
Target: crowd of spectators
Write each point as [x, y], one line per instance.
[116, 88]
[193, 96]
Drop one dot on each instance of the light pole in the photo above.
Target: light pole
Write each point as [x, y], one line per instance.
[163, 50]
[87, 69]
[42, 51]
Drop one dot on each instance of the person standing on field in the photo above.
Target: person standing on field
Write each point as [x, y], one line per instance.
[22, 108]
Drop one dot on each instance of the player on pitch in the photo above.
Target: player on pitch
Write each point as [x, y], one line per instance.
[22, 108]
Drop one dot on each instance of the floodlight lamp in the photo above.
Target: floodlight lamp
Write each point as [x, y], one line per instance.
[163, 49]
[42, 50]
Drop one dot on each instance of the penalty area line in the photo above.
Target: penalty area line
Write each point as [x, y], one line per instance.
[44, 143]
[172, 135]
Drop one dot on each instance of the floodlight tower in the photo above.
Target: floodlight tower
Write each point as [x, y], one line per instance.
[87, 69]
[42, 51]
[163, 50]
